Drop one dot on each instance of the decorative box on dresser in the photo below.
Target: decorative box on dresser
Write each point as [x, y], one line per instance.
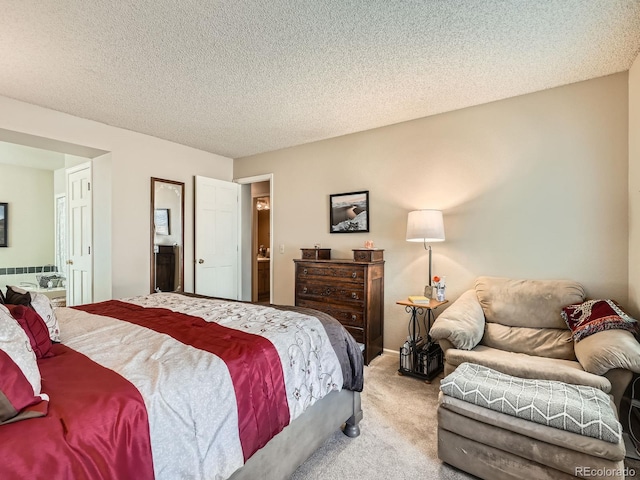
[352, 291]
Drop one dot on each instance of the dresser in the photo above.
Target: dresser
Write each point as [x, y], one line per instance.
[351, 291]
[264, 280]
[165, 268]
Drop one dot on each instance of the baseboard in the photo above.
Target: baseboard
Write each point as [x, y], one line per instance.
[632, 451]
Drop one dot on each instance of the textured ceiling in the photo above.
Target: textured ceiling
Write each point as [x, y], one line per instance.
[247, 76]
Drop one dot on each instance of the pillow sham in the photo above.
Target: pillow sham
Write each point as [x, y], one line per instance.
[17, 400]
[593, 316]
[20, 380]
[35, 328]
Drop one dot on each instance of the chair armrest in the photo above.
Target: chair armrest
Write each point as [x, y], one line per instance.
[620, 380]
[445, 345]
[462, 323]
[607, 350]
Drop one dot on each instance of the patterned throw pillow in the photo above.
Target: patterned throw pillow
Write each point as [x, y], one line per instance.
[42, 305]
[593, 316]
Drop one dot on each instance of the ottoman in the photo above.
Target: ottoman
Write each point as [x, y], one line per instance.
[496, 426]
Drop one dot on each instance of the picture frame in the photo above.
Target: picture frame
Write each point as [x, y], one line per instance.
[349, 212]
[161, 221]
[4, 224]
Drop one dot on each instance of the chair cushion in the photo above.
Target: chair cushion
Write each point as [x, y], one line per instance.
[540, 342]
[528, 366]
[527, 303]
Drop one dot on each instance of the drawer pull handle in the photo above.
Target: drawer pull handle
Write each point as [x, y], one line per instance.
[354, 317]
[354, 275]
[304, 271]
[354, 295]
[304, 290]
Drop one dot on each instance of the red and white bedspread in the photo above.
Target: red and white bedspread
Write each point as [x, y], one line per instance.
[96, 426]
[218, 378]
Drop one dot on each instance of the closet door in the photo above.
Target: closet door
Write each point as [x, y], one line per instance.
[80, 259]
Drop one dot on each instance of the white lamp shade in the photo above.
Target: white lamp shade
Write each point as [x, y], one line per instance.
[425, 226]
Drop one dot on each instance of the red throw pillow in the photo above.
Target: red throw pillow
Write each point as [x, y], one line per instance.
[20, 402]
[593, 316]
[35, 328]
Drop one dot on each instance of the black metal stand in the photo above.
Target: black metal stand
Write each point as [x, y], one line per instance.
[420, 357]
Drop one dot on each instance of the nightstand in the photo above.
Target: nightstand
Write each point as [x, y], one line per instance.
[419, 356]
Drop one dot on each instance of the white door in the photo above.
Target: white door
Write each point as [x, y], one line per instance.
[216, 238]
[80, 265]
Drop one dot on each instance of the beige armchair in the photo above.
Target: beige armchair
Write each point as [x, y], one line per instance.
[516, 327]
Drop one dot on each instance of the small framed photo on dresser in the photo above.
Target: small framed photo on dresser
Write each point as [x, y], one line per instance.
[4, 224]
[349, 212]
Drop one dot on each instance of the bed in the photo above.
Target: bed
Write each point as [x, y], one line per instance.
[172, 386]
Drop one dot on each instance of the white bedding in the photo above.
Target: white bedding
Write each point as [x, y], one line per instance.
[200, 439]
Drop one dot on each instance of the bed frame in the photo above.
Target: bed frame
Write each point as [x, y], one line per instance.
[279, 458]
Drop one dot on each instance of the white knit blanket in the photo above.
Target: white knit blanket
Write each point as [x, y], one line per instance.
[575, 408]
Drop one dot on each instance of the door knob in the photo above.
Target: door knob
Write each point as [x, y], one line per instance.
[201, 261]
[69, 262]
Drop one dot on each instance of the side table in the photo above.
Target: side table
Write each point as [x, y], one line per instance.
[419, 356]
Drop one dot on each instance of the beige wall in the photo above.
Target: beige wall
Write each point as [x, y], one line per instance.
[634, 188]
[29, 193]
[134, 158]
[531, 187]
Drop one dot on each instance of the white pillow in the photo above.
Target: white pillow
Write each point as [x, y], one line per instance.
[14, 341]
[42, 305]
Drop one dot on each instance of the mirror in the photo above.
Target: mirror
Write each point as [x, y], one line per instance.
[167, 235]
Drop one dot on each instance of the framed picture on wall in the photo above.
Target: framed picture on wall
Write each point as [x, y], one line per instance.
[349, 212]
[161, 220]
[4, 225]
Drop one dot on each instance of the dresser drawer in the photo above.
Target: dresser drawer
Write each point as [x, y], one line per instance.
[320, 271]
[346, 315]
[349, 294]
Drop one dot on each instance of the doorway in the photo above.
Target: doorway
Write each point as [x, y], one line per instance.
[256, 230]
[36, 262]
[261, 241]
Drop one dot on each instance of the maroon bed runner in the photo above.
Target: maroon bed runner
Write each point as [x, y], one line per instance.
[252, 360]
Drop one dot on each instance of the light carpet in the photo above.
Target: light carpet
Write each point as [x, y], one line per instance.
[398, 433]
[398, 437]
